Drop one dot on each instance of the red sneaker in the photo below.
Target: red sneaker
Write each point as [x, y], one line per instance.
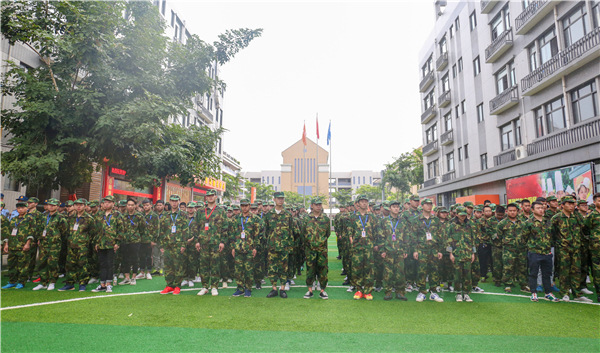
[369, 297]
[167, 290]
[358, 295]
[176, 291]
[37, 280]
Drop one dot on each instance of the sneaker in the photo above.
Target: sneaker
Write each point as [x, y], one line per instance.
[586, 291]
[451, 289]
[220, 280]
[133, 282]
[420, 297]
[283, 294]
[62, 275]
[323, 295]
[66, 287]
[587, 279]
[40, 286]
[292, 282]
[115, 279]
[369, 296]
[19, 286]
[308, 295]
[203, 291]
[99, 289]
[93, 280]
[247, 293]
[478, 290]
[51, 286]
[388, 296]
[507, 290]
[38, 280]
[258, 286]
[148, 275]
[224, 284]
[191, 284]
[539, 288]
[82, 287]
[459, 298]
[109, 288]
[583, 299]
[287, 286]
[566, 298]
[273, 293]
[346, 283]
[196, 279]
[184, 283]
[214, 292]
[121, 276]
[176, 291]
[229, 280]
[550, 297]
[140, 276]
[125, 281]
[155, 273]
[378, 289]
[534, 297]
[262, 281]
[526, 289]
[409, 288]
[436, 297]
[358, 295]
[351, 289]
[467, 298]
[167, 290]
[11, 285]
[554, 288]
[401, 297]
[238, 293]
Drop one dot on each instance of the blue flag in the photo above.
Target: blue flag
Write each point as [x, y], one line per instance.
[329, 134]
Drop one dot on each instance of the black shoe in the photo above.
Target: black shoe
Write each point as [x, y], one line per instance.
[258, 286]
[273, 293]
[401, 297]
[283, 294]
[599, 299]
[308, 295]
[155, 273]
[343, 273]
[497, 284]
[388, 296]
[346, 283]
[338, 257]
[299, 273]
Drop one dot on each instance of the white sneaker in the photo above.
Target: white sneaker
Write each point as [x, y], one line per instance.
[451, 289]
[191, 284]
[197, 279]
[459, 298]
[125, 281]
[184, 283]
[221, 280]
[436, 297]
[287, 287]
[121, 275]
[229, 280]
[62, 275]
[566, 298]
[294, 276]
[409, 288]
[148, 275]
[583, 299]
[586, 291]
[51, 286]
[262, 281]
[40, 286]
[132, 282]
[203, 291]
[214, 292]
[115, 279]
[292, 282]
[420, 297]
[350, 289]
[140, 276]
[109, 289]
[467, 298]
[587, 279]
[224, 284]
[478, 290]
[93, 280]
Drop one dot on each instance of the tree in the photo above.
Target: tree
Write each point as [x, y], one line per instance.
[110, 87]
[294, 198]
[263, 191]
[342, 196]
[405, 171]
[233, 187]
[373, 193]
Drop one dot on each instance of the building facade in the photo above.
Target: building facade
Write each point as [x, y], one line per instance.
[508, 88]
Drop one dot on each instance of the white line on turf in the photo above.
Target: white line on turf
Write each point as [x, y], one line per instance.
[193, 289]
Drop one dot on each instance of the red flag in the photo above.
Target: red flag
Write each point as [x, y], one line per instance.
[304, 135]
[317, 128]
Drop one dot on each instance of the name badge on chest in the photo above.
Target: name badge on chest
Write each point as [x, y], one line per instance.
[243, 235]
[173, 229]
[44, 233]
[363, 234]
[428, 236]
[75, 226]
[206, 226]
[14, 231]
[393, 236]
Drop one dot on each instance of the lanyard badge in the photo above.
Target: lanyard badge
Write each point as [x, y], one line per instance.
[364, 233]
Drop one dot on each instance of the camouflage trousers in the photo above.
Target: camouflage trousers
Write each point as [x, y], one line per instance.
[295, 261]
[569, 271]
[278, 267]
[475, 271]
[48, 263]
[93, 262]
[362, 270]
[428, 266]
[595, 265]
[259, 268]
[174, 266]
[411, 268]
[586, 262]
[18, 261]
[191, 262]
[316, 266]
[446, 269]
[393, 273]
[244, 270]
[345, 254]
[378, 268]
[77, 266]
[210, 261]
[514, 267]
[158, 260]
[31, 261]
[227, 266]
[462, 276]
[497, 265]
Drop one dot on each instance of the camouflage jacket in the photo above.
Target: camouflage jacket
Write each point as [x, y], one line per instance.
[592, 223]
[109, 230]
[151, 229]
[566, 231]
[25, 230]
[83, 235]
[510, 233]
[461, 240]
[56, 229]
[216, 221]
[279, 230]
[174, 230]
[420, 227]
[585, 234]
[134, 226]
[39, 220]
[408, 218]
[393, 237]
[537, 236]
[549, 214]
[496, 238]
[486, 230]
[373, 236]
[316, 232]
[524, 218]
[250, 228]
[5, 228]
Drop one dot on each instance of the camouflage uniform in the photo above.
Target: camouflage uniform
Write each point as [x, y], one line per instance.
[244, 232]
[584, 249]
[317, 232]
[362, 249]
[411, 265]
[158, 258]
[446, 267]
[495, 237]
[18, 259]
[259, 260]
[209, 241]
[461, 244]
[566, 234]
[427, 249]
[514, 254]
[475, 266]
[538, 238]
[174, 236]
[227, 264]
[134, 227]
[150, 235]
[279, 239]
[393, 247]
[592, 223]
[81, 231]
[55, 229]
[38, 218]
[190, 255]
[109, 232]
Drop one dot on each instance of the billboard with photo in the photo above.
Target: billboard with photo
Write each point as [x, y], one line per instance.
[576, 180]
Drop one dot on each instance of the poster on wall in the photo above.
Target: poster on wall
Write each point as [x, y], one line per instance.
[576, 180]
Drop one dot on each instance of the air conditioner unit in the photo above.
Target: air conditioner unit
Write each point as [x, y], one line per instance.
[520, 152]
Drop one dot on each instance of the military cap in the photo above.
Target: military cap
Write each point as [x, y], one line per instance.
[453, 207]
[316, 200]
[459, 204]
[442, 209]
[227, 203]
[199, 203]
[436, 209]
[567, 199]
[235, 207]
[22, 198]
[70, 203]
[407, 200]
[110, 198]
[244, 202]
[253, 205]
[386, 205]
[350, 204]
[361, 197]
[551, 198]
[478, 209]
[420, 209]
[259, 202]
[581, 202]
[211, 192]
[593, 206]
[174, 197]
[393, 202]
[53, 201]
[79, 201]
[277, 194]
[468, 204]
[33, 200]
[414, 198]
[504, 205]
[493, 207]
[191, 204]
[271, 203]
[461, 211]
[426, 200]
[21, 204]
[229, 209]
[376, 207]
[371, 203]
[120, 204]
[2, 202]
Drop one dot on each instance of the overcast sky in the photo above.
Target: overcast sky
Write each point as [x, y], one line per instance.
[355, 64]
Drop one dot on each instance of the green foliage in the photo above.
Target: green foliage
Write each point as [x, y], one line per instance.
[373, 192]
[405, 171]
[106, 87]
[294, 198]
[234, 186]
[342, 196]
[263, 191]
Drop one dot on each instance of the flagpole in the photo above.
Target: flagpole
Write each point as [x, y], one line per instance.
[329, 188]
[317, 155]
[304, 172]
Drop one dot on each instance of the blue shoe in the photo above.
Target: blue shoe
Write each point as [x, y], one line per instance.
[554, 289]
[82, 287]
[19, 286]
[238, 293]
[10, 285]
[539, 288]
[247, 293]
[66, 287]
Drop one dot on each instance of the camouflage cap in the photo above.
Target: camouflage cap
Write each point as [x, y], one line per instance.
[278, 194]
[386, 205]
[244, 202]
[211, 192]
[227, 203]
[110, 198]
[407, 200]
[371, 203]
[253, 205]
[235, 207]
[315, 201]
[122, 203]
[350, 204]
[259, 202]
[33, 200]
[426, 200]
[436, 209]
[551, 198]
[581, 202]
[271, 203]
[393, 202]
[229, 209]
[478, 209]
[53, 201]
[414, 198]
[442, 209]
[79, 201]
[593, 206]
[199, 203]
[377, 207]
[468, 204]
[21, 204]
[2, 204]
[566, 199]
[191, 204]
[458, 204]
[461, 211]
[361, 197]
[174, 197]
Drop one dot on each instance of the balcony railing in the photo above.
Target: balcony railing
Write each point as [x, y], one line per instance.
[430, 148]
[532, 11]
[447, 138]
[430, 182]
[505, 157]
[575, 134]
[441, 62]
[504, 100]
[444, 99]
[499, 46]
[449, 176]
[562, 59]
[429, 114]
[487, 6]
[426, 82]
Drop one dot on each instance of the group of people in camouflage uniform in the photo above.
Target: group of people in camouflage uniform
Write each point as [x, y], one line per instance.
[401, 247]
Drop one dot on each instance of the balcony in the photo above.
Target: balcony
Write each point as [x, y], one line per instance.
[430, 182]
[430, 148]
[426, 82]
[504, 100]
[532, 15]
[575, 134]
[449, 176]
[575, 56]
[447, 138]
[444, 99]
[505, 157]
[487, 6]
[500, 45]
[429, 114]
[441, 62]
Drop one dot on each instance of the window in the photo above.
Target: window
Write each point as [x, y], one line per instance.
[506, 78]
[497, 26]
[460, 64]
[445, 83]
[456, 111]
[451, 30]
[431, 134]
[506, 133]
[448, 121]
[432, 169]
[457, 23]
[575, 25]
[353, 180]
[555, 115]
[427, 68]
[429, 100]
[443, 46]
[371, 180]
[532, 58]
[272, 180]
[483, 159]
[450, 161]
[363, 180]
[480, 117]
[461, 156]
[526, 3]
[548, 46]
[466, 151]
[463, 107]
[454, 71]
[279, 180]
[584, 102]
[596, 13]
[518, 141]
[476, 66]
[473, 21]
[164, 7]
[263, 180]
[539, 122]
[10, 184]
